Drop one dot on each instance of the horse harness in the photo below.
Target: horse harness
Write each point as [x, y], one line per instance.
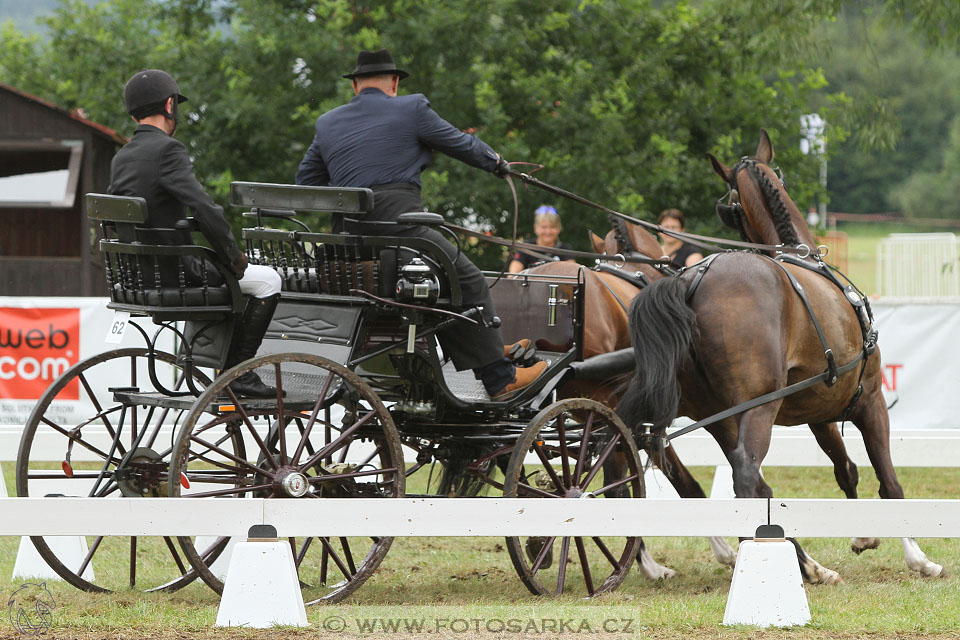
[832, 374]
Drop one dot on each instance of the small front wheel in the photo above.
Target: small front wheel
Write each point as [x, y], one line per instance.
[574, 449]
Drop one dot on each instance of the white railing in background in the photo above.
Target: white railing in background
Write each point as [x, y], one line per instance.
[913, 265]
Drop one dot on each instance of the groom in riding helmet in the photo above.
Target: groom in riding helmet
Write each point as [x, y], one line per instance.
[156, 167]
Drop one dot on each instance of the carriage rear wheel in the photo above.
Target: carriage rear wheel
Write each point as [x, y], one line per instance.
[574, 449]
[329, 436]
[114, 448]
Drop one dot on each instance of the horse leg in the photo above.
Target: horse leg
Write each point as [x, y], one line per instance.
[870, 416]
[687, 487]
[615, 468]
[753, 442]
[844, 469]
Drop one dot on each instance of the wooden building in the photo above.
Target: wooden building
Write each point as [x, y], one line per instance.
[49, 158]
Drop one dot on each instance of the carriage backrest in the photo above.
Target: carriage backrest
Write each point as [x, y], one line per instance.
[333, 264]
[148, 278]
[301, 197]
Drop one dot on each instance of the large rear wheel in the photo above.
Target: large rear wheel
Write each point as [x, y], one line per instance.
[329, 436]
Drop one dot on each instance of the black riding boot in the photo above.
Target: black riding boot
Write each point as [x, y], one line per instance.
[247, 339]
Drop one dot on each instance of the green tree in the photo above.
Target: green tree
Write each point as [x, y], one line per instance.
[618, 100]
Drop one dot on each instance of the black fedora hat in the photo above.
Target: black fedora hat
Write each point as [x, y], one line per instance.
[375, 63]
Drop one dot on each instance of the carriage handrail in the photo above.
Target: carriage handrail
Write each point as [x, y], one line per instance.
[301, 197]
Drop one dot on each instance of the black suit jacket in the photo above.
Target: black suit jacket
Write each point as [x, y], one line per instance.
[156, 167]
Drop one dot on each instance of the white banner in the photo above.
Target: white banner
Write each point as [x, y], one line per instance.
[920, 350]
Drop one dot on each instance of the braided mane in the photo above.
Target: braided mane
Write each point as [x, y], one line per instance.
[622, 234]
[775, 205]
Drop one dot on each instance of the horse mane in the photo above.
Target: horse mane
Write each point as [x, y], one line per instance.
[775, 205]
[622, 234]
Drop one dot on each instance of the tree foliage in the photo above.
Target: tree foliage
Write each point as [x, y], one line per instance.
[618, 100]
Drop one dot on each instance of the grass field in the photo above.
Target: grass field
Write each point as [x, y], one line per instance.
[466, 587]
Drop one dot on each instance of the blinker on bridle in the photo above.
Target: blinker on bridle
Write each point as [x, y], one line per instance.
[731, 211]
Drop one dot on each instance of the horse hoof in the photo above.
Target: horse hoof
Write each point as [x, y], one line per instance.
[859, 545]
[932, 570]
[824, 576]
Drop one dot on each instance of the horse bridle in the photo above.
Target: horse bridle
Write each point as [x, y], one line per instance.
[733, 216]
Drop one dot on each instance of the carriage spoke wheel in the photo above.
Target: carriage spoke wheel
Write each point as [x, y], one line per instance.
[329, 436]
[107, 450]
[574, 449]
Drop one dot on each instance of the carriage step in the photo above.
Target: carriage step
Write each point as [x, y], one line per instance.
[219, 405]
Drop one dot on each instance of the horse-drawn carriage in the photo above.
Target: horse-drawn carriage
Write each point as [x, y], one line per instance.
[365, 398]
[360, 380]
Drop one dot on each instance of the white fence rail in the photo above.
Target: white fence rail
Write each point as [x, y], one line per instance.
[479, 517]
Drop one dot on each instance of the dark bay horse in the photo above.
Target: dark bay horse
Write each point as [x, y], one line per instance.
[745, 332]
[606, 329]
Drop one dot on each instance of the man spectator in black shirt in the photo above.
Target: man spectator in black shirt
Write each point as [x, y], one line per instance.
[156, 167]
[383, 141]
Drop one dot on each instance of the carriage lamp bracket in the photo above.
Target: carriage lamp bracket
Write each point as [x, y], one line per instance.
[553, 301]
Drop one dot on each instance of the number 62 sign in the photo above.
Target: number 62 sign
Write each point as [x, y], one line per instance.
[117, 327]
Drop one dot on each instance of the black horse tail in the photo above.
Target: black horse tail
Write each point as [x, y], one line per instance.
[663, 329]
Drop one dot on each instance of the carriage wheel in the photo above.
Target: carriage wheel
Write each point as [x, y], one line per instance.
[338, 441]
[113, 451]
[575, 448]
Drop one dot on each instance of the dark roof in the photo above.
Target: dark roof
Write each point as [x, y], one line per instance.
[75, 114]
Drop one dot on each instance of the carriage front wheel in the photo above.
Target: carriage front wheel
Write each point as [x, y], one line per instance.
[574, 449]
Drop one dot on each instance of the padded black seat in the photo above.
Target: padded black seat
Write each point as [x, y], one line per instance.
[173, 296]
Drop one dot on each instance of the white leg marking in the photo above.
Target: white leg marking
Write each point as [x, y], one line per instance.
[815, 573]
[651, 570]
[722, 551]
[917, 559]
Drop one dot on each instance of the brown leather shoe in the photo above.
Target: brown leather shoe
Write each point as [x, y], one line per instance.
[519, 346]
[523, 378]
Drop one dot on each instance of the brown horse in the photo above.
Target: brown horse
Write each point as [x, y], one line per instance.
[606, 329]
[745, 332]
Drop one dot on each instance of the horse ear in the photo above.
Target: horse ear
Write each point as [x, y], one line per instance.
[765, 148]
[722, 170]
[597, 242]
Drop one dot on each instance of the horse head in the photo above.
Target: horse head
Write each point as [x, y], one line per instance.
[760, 207]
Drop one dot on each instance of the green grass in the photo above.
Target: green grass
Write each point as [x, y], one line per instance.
[440, 580]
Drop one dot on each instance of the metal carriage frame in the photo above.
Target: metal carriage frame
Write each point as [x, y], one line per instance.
[359, 375]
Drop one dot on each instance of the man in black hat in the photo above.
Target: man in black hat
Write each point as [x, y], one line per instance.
[156, 167]
[383, 141]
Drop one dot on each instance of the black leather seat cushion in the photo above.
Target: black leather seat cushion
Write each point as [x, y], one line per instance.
[170, 297]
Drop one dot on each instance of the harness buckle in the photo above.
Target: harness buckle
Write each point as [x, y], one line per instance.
[832, 375]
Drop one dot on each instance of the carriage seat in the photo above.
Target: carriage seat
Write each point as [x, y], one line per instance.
[329, 264]
[147, 277]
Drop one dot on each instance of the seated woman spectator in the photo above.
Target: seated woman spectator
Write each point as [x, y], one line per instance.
[680, 253]
[546, 226]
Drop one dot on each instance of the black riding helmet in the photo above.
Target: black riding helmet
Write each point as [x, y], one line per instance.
[146, 93]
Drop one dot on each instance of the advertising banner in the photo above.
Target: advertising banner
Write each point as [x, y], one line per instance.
[920, 351]
[42, 337]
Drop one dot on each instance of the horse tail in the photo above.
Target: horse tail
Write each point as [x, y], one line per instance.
[663, 329]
